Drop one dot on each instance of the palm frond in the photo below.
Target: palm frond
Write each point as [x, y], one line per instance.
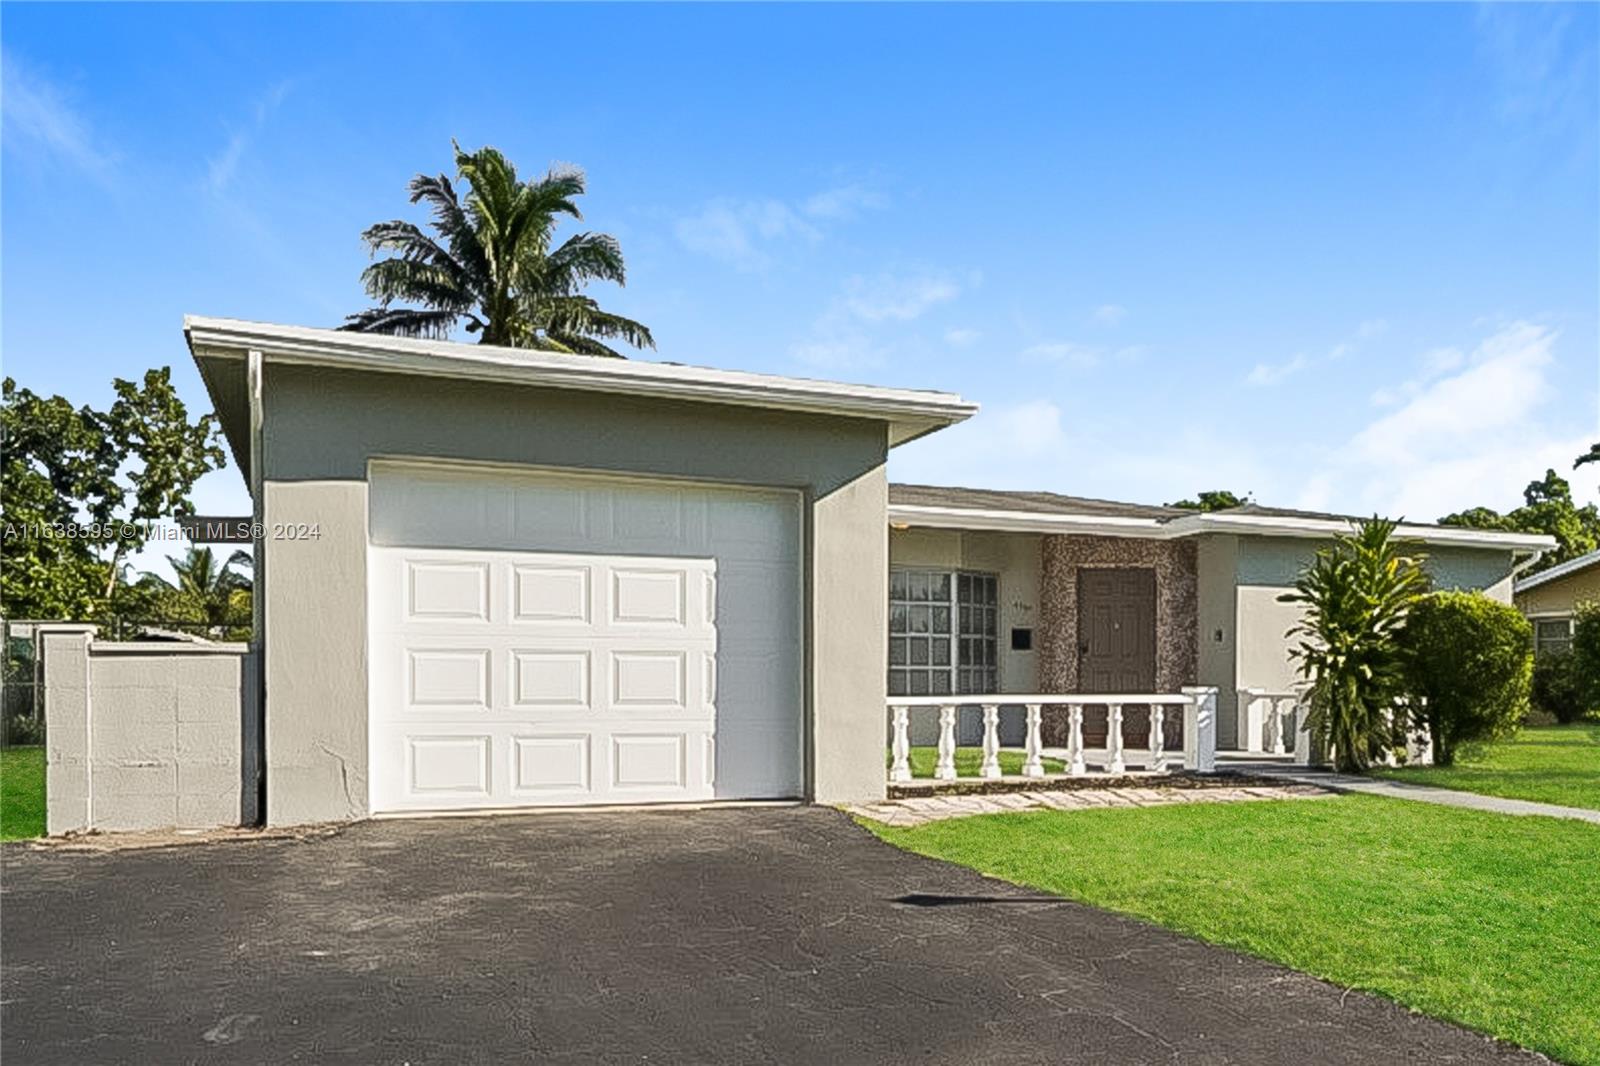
[388, 280]
[402, 322]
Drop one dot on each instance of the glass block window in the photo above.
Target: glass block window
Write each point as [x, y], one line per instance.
[942, 633]
[1552, 635]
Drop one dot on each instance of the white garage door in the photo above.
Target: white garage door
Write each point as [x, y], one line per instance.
[553, 639]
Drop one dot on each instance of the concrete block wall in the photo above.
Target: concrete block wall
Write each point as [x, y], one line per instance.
[145, 735]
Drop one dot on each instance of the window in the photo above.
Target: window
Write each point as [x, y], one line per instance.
[942, 633]
[1552, 635]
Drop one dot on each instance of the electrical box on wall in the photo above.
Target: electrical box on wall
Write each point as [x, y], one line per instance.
[1022, 640]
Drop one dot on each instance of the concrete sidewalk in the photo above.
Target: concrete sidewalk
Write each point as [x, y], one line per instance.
[1444, 797]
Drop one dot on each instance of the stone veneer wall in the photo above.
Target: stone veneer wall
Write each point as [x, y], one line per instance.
[1177, 606]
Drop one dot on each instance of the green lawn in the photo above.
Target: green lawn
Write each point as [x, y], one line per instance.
[21, 793]
[1489, 920]
[970, 760]
[1549, 764]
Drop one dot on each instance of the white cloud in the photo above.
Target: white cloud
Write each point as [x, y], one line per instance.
[1078, 356]
[38, 118]
[1109, 315]
[1274, 373]
[746, 233]
[961, 338]
[885, 297]
[842, 202]
[222, 167]
[1475, 434]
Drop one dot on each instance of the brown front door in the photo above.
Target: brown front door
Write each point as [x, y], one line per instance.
[1117, 649]
[1116, 630]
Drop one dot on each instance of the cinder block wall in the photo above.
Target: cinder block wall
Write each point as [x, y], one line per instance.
[144, 735]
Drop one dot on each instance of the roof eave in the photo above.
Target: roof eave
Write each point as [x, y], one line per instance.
[909, 413]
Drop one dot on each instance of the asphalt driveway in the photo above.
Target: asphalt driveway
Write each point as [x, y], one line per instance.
[728, 936]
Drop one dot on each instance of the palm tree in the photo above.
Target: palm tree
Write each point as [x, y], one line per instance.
[493, 266]
[218, 596]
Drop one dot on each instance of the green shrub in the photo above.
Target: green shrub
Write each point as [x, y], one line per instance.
[1586, 653]
[1558, 687]
[1470, 658]
[1356, 593]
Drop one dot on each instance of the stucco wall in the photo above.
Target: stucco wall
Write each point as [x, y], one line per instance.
[1562, 595]
[143, 736]
[1217, 559]
[1278, 561]
[1175, 564]
[1013, 558]
[322, 427]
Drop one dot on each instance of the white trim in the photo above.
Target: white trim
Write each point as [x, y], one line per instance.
[1191, 525]
[910, 412]
[1023, 521]
[1571, 566]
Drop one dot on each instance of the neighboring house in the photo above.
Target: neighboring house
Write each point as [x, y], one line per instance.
[496, 578]
[1550, 599]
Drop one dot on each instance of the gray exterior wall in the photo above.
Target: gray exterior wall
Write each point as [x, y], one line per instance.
[1268, 566]
[323, 427]
[1217, 561]
[1013, 558]
[144, 736]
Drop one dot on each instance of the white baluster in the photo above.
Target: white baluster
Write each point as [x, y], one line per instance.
[1114, 738]
[945, 769]
[1278, 717]
[991, 741]
[1075, 740]
[901, 769]
[1158, 742]
[1033, 763]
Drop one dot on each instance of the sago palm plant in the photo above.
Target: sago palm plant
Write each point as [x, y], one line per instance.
[1357, 594]
[494, 265]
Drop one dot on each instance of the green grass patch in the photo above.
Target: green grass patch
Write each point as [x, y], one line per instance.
[21, 793]
[1547, 764]
[1484, 919]
[969, 761]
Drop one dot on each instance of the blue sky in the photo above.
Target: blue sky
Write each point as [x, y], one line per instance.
[1338, 256]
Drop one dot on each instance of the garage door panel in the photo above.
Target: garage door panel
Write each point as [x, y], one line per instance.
[550, 679]
[576, 640]
[551, 593]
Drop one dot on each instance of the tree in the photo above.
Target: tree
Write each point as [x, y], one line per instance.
[1215, 500]
[1590, 456]
[79, 487]
[1547, 508]
[1357, 594]
[1470, 660]
[217, 596]
[493, 265]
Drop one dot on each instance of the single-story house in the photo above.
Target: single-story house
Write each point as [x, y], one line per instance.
[1550, 599]
[498, 578]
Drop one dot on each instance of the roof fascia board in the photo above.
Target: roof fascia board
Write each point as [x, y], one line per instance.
[1024, 521]
[1194, 525]
[1560, 570]
[911, 412]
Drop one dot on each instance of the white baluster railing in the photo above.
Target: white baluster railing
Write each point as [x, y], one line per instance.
[991, 741]
[1033, 761]
[1198, 706]
[945, 768]
[1264, 719]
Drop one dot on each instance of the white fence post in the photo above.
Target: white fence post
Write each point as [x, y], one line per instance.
[945, 769]
[1075, 741]
[1200, 729]
[1114, 738]
[901, 769]
[1158, 760]
[1033, 763]
[991, 742]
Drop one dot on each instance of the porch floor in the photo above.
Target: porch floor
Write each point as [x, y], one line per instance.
[928, 806]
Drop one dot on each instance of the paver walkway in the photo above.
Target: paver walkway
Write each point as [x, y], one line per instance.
[1445, 797]
[916, 810]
